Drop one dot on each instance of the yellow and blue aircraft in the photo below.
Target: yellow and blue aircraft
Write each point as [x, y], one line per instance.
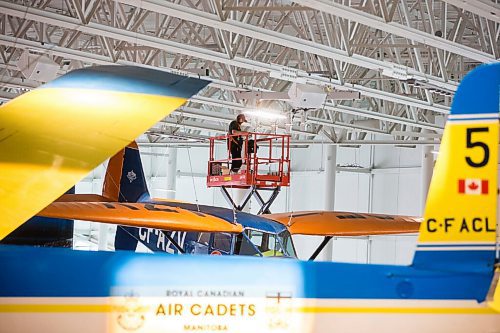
[451, 286]
[53, 136]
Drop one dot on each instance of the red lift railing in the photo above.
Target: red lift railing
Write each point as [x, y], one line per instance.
[264, 171]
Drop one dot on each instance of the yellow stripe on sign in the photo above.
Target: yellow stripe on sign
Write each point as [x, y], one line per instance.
[396, 310]
[51, 138]
[108, 308]
[55, 308]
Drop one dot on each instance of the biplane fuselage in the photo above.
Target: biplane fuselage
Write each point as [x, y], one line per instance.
[260, 237]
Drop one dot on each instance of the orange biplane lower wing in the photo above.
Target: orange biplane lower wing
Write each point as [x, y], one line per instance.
[147, 215]
[324, 223]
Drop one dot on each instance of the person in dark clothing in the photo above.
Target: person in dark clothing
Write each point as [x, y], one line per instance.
[235, 143]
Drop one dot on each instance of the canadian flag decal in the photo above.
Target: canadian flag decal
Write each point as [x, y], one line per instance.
[473, 186]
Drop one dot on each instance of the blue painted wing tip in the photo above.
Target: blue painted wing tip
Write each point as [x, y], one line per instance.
[131, 79]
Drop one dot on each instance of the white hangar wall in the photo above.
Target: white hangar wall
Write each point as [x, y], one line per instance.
[391, 185]
[378, 179]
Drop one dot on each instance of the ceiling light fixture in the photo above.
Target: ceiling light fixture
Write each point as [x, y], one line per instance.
[265, 114]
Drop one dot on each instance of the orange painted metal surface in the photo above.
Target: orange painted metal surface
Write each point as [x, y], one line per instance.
[145, 215]
[325, 223]
[111, 185]
[82, 198]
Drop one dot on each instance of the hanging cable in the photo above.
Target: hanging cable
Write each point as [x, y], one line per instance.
[235, 217]
[191, 168]
[192, 178]
[398, 175]
[156, 171]
[289, 224]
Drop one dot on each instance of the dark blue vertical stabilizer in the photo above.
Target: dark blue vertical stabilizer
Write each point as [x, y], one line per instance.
[132, 188]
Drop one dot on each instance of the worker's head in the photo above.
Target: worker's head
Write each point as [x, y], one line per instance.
[241, 118]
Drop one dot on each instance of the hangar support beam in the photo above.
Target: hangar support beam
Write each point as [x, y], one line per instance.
[171, 172]
[487, 9]
[330, 158]
[211, 20]
[397, 29]
[330, 178]
[278, 38]
[101, 60]
[426, 175]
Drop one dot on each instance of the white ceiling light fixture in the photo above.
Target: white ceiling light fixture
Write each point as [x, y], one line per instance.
[268, 114]
[300, 96]
[37, 67]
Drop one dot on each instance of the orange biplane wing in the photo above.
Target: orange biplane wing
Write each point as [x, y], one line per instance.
[147, 215]
[325, 223]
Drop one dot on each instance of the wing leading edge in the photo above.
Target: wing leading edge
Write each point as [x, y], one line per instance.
[147, 215]
[51, 137]
[325, 223]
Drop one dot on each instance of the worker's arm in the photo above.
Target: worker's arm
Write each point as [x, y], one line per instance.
[235, 132]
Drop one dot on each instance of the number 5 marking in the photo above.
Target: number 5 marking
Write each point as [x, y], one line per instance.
[480, 144]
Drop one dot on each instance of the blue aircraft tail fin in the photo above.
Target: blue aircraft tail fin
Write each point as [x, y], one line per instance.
[125, 182]
[460, 221]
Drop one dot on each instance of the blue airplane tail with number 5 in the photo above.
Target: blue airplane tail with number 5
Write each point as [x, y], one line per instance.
[459, 228]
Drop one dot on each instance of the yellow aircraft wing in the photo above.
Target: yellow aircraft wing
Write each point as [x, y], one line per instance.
[325, 223]
[53, 136]
[147, 215]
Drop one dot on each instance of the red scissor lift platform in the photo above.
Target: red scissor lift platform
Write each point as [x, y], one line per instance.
[265, 166]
